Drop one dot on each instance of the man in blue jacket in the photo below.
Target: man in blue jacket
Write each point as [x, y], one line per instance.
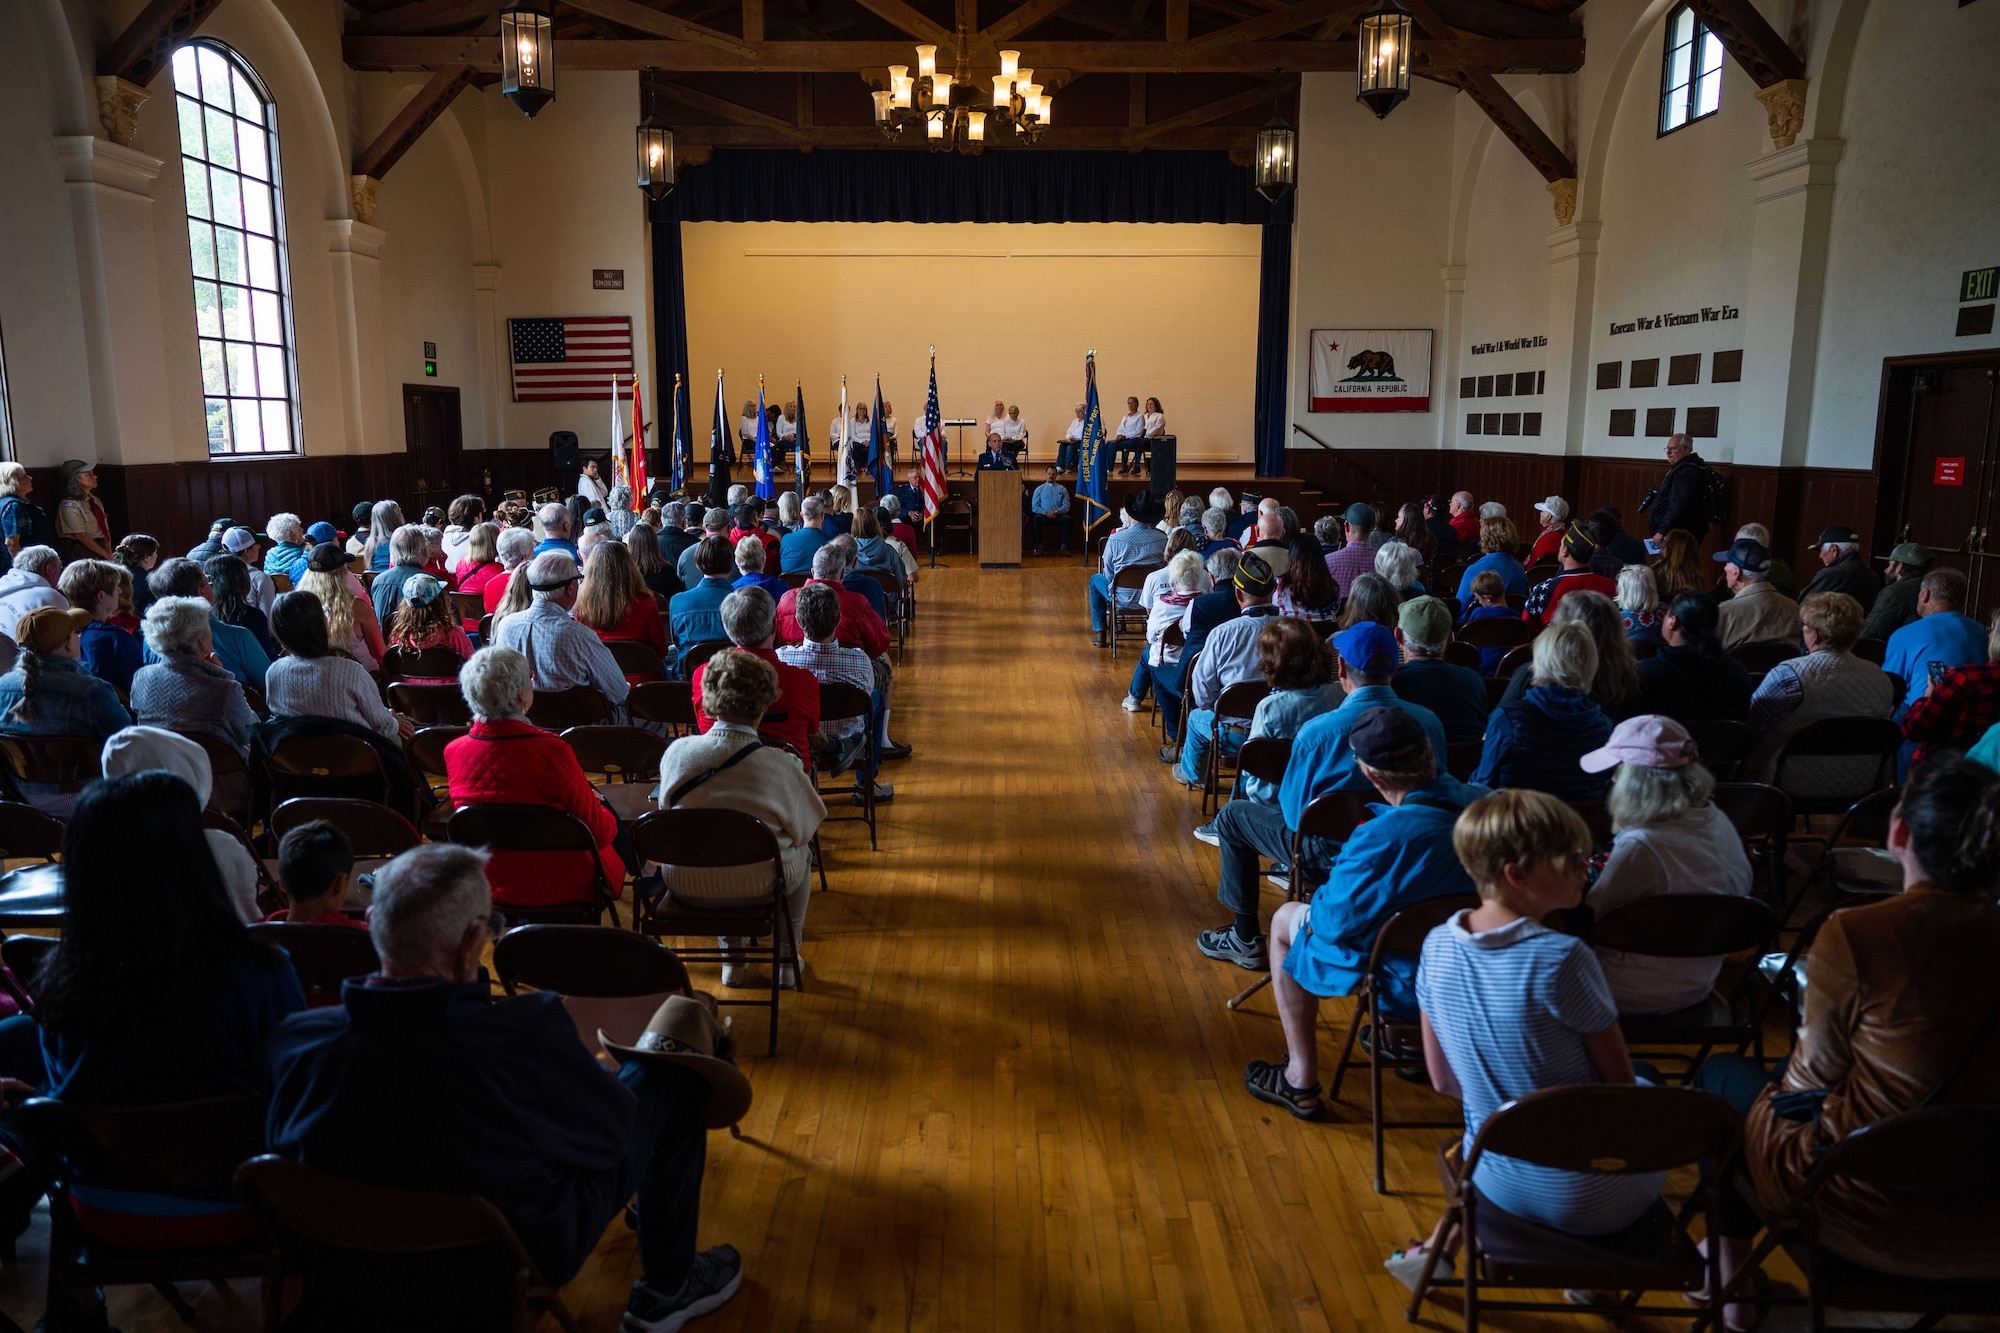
[1402, 855]
[695, 616]
[236, 648]
[420, 1080]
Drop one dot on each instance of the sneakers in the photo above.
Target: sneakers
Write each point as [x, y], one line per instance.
[1206, 833]
[1130, 704]
[1230, 947]
[884, 793]
[895, 750]
[716, 1275]
[1170, 754]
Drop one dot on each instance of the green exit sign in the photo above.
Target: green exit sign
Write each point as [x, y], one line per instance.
[430, 360]
[1979, 284]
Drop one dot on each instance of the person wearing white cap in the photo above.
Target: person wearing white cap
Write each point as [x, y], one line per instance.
[136, 749]
[242, 543]
[1670, 838]
[1554, 514]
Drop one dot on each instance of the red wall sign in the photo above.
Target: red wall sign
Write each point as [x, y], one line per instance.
[1949, 472]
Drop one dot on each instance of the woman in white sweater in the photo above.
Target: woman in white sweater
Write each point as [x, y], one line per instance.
[312, 680]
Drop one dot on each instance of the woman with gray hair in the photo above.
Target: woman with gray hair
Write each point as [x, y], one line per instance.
[1537, 740]
[1670, 838]
[1185, 578]
[289, 547]
[618, 510]
[187, 690]
[1399, 564]
[1615, 685]
[1638, 604]
[507, 760]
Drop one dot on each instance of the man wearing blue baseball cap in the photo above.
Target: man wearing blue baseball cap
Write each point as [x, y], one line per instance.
[1322, 761]
[1756, 611]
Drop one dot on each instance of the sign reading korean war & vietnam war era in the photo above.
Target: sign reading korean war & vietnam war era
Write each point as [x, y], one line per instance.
[1370, 370]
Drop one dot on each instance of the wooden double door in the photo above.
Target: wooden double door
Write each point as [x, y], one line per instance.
[1939, 457]
[431, 434]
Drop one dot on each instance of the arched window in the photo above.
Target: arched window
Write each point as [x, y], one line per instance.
[1690, 71]
[236, 235]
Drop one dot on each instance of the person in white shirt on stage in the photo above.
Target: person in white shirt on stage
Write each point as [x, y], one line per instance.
[889, 429]
[1131, 437]
[589, 486]
[1067, 454]
[746, 429]
[999, 415]
[1013, 434]
[787, 428]
[835, 433]
[856, 453]
[1156, 420]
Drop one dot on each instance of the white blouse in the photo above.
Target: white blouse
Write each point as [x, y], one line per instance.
[1075, 431]
[1156, 425]
[591, 489]
[787, 430]
[1010, 429]
[746, 427]
[1132, 426]
[993, 424]
[889, 426]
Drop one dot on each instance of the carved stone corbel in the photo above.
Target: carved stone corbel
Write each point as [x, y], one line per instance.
[1563, 192]
[361, 194]
[118, 103]
[1784, 110]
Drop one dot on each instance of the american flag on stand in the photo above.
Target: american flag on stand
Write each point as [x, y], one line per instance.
[932, 448]
[575, 357]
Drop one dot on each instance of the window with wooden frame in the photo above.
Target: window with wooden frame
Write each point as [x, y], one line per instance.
[1690, 71]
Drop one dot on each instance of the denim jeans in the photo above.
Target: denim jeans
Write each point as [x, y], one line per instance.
[669, 1152]
[1194, 745]
[1100, 602]
[1739, 1081]
[1066, 455]
[1250, 829]
[1167, 687]
[1142, 679]
[1130, 450]
[1058, 522]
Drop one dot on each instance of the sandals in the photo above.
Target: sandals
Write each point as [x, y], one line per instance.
[1266, 1082]
[1407, 1266]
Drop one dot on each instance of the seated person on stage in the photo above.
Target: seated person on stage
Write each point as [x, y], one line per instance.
[1401, 855]
[1137, 542]
[1155, 419]
[1049, 507]
[751, 619]
[999, 417]
[559, 1155]
[1013, 433]
[1071, 446]
[1203, 614]
[1511, 1007]
[1130, 438]
[1536, 741]
[750, 569]
[786, 428]
[315, 867]
[1322, 761]
[1229, 657]
[1455, 693]
[994, 457]
[696, 615]
[715, 522]
[1489, 602]
[746, 434]
[910, 495]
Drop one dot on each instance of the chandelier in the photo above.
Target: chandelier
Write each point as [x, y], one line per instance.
[954, 109]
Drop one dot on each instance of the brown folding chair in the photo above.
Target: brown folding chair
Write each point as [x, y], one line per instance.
[1871, 650]
[430, 705]
[486, 629]
[1860, 738]
[697, 653]
[637, 659]
[421, 663]
[1516, 658]
[469, 606]
[578, 706]
[892, 597]
[1393, 1043]
[621, 754]
[1462, 758]
[1695, 925]
[1763, 818]
[1235, 707]
[537, 828]
[1131, 619]
[373, 831]
[1332, 816]
[955, 516]
[1462, 654]
[229, 773]
[595, 961]
[424, 752]
[1597, 818]
[1595, 1129]
[711, 838]
[667, 703]
[299, 761]
[300, 1203]
[1722, 744]
[1851, 849]
[323, 954]
[1764, 655]
[269, 896]
[186, 1149]
[839, 702]
[1265, 758]
[797, 578]
[63, 762]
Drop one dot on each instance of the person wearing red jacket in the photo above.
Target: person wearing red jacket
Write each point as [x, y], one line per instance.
[616, 603]
[860, 627]
[1465, 520]
[750, 619]
[508, 760]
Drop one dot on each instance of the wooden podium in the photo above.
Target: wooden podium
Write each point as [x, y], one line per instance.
[999, 519]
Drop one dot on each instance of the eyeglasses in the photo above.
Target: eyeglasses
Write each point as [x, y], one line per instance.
[496, 925]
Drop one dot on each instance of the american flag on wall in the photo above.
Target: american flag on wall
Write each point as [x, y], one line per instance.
[562, 360]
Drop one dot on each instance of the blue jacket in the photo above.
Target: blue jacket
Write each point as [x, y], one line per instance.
[1535, 742]
[1402, 855]
[1321, 760]
[770, 583]
[542, 547]
[1506, 566]
[912, 501]
[696, 615]
[1279, 716]
[863, 586]
[1456, 694]
[288, 560]
[112, 654]
[236, 648]
[796, 550]
[69, 701]
[490, 1097]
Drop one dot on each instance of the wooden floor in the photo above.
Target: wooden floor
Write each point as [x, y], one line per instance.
[1011, 1097]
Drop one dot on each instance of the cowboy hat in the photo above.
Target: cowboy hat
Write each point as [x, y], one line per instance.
[683, 1033]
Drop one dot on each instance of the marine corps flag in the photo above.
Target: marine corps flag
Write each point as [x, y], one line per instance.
[1092, 483]
[637, 481]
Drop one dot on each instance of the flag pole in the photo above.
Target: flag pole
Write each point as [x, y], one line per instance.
[1093, 453]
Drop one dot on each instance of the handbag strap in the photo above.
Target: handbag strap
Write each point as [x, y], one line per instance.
[674, 796]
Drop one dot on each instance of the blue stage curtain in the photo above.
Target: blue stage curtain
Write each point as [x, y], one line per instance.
[1274, 336]
[670, 347]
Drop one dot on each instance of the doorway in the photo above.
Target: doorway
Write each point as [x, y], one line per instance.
[431, 434]
[1939, 460]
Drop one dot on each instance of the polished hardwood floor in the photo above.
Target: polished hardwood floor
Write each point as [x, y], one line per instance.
[1011, 1097]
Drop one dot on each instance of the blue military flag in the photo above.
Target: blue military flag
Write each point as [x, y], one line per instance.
[802, 445]
[1092, 481]
[765, 490]
[878, 448]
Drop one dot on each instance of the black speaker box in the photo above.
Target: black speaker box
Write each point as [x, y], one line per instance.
[1165, 454]
[564, 456]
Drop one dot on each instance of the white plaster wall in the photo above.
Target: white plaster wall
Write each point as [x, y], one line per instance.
[1373, 209]
[1506, 293]
[1918, 203]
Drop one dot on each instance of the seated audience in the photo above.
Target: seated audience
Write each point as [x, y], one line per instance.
[1455, 693]
[312, 680]
[750, 569]
[654, 570]
[1756, 611]
[1410, 531]
[1307, 591]
[1497, 541]
[1614, 686]
[235, 648]
[1298, 670]
[842, 741]
[751, 622]
[1489, 602]
[315, 867]
[1510, 1007]
[615, 602]
[1894, 1019]
[1940, 638]
[233, 601]
[1465, 519]
[1690, 678]
[350, 617]
[1184, 579]
[137, 555]
[424, 621]
[1668, 838]
[1228, 657]
[479, 563]
[861, 585]
[184, 687]
[515, 548]
[408, 549]
[561, 653]
[861, 626]
[137, 749]
[737, 692]
[1402, 855]
[1370, 600]
[1203, 614]
[1553, 515]
[560, 1154]
[696, 614]
[1156, 583]
[1842, 568]
[1639, 604]
[242, 545]
[1573, 574]
[290, 547]
[556, 524]
[1896, 605]
[1681, 568]
[1437, 519]
[839, 503]
[1536, 741]
[110, 653]
[50, 692]
[1136, 542]
[212, 544]
[796, 550]
[507, 760]
[1781, 576]
[1615, 546]
[872, 549]
[465, 514]
[377, 547]
[1355, 557]
[1829, 681]
[29, 584]
[745, 522]
[1954, 713]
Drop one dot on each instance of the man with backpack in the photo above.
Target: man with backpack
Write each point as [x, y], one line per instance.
[1689, 498]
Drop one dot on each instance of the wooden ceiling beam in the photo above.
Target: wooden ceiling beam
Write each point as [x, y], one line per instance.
[1753, 42]
[631, 14]
[143, 49]
[783, 129]
[1020, 19]
[424, 16]
[1434, 59]
[1277, 23]
[1115, 138]
[1210, 111]
[910, 20]
[1521, 129]
[1342, 23]
[409, 124]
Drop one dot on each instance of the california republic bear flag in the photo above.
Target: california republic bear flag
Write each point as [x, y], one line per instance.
[1371, 370]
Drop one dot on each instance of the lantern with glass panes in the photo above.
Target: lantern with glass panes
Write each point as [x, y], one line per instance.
[1382, 75]
[656, 150]
[527, 58]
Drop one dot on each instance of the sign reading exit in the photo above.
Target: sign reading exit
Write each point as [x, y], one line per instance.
[1979, 284]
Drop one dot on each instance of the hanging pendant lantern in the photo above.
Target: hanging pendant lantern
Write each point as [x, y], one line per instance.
[1277, 160]
[1382, 77]
[656, 150]
[527, 59]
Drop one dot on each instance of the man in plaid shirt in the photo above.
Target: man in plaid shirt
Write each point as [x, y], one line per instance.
[1959, 709]
[817, 610]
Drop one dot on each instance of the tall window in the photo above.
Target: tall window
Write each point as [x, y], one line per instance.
[236, 235]
[1691, 74]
